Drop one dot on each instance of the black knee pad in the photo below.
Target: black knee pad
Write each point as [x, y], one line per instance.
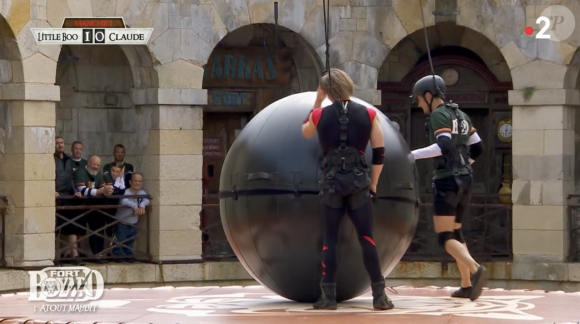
[443, 237]
[458, 235]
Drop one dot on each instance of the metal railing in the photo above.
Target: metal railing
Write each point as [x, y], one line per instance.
[486, 226]
[573, 228]
[215, 245]
[3, 209]
[87, 230]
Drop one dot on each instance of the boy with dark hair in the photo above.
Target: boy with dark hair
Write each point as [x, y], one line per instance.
[116, 178]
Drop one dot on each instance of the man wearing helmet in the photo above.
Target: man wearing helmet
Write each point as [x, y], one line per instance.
[455, 146]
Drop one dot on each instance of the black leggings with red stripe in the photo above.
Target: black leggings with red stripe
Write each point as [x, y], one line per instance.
[362, 219]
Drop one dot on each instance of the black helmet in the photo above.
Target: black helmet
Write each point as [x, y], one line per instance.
[426, 84]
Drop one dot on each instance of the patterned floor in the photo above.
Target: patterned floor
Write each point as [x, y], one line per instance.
[255, 305]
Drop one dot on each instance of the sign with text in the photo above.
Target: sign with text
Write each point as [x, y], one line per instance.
[252, 66]
[92, 31]
[230, 98]
[213, 147]
[68, 287]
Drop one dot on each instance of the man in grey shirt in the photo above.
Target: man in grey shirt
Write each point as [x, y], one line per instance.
[126, 228]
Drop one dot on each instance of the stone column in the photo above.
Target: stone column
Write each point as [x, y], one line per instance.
[170, 130]
[543, 172]
[27, 171]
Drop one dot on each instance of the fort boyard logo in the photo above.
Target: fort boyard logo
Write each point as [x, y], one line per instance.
[556, 23]
[70, 289]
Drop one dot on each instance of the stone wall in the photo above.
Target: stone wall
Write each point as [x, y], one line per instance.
[95, 101]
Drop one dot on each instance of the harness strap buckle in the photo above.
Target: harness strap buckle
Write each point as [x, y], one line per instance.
[234, 193]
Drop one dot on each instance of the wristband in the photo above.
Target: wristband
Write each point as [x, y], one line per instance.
[373, 195]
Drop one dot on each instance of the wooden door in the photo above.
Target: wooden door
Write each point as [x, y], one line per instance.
[219, 132]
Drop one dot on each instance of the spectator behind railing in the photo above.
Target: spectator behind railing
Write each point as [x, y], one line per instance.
[119, 154]
[77, 149]
[90, 183]
[126, 228]
[64, 167]
[116, 180]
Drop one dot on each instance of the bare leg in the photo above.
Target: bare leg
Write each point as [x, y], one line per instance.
[463, 268]
[73, 248]
[446, 223]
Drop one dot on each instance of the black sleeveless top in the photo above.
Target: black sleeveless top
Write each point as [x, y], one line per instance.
[360, 121]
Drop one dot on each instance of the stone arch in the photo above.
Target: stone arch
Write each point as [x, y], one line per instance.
[142, 66]
[478, 78]
[480, 82]
[11, 71]
[96, 104]
[245, 73]
[305, 67]
[10, 57]
[572, 77]
[406, 54]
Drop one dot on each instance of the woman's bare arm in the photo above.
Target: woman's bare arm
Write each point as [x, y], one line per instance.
[377, 142]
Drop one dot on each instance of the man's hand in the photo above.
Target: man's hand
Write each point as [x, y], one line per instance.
[56, 194]
[108, 190]
[141, 211]
[373, 190]
[78, 194]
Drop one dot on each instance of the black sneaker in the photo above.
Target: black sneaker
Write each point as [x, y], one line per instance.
[478, 280]
[462, 292]
[380, 299]
[327, 299]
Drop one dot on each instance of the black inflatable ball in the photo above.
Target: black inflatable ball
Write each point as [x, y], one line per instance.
[270, 207]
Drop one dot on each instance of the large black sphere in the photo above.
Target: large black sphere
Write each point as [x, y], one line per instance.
[270, 208]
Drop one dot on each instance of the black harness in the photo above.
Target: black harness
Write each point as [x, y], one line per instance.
[459, 149]
[345, 172]
[458, 157]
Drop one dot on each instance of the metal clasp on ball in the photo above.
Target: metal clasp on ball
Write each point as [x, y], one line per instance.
[297, 193]
[234, 193]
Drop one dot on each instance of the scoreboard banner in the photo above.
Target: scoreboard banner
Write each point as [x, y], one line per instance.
[92, 31]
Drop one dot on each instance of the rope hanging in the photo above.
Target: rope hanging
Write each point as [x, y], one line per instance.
[439, 92]
[326, 12]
